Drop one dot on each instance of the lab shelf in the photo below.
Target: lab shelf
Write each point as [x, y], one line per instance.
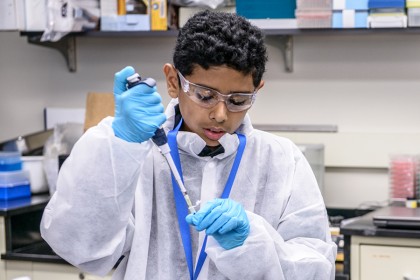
[67, 45]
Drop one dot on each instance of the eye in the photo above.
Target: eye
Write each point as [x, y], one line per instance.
[239, 100]
[202, 94]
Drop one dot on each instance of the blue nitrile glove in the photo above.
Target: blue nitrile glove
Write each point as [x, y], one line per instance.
[138, 111]
[225, 220]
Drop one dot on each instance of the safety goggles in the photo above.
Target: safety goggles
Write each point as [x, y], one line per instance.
[208, 98]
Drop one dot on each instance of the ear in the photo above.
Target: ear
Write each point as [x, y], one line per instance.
[171, 80]
[260, 86]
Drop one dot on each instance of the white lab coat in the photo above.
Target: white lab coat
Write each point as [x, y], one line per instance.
[115, 198]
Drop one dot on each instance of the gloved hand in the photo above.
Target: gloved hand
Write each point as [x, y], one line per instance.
[138, 111]
[225, 220]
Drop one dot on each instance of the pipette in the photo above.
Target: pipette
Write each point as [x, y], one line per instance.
[161, 141]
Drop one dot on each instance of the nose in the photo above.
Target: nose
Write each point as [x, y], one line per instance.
[219, 113]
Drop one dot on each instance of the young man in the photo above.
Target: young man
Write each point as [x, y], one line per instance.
[261, 214]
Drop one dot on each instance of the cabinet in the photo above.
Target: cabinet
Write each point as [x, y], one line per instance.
[44, 271]
[23, 252]
[385, 258]
[372, 252]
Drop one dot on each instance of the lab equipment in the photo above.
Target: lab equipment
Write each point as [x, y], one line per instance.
[225, 220]
[161, 141]
[403, 171]
[138, 110]
[315, 154]
[10, 161]
[14, 184]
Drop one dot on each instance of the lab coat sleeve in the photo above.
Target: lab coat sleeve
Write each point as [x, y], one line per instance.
[89, 220]
[299, 247]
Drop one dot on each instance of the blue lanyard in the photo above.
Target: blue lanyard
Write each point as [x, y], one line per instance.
[181, 205]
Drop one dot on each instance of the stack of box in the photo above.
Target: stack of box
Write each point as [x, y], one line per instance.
[133, 15]
[14, 182]
[413, 12]
[350, 14]
[313, 13]
[387, 14]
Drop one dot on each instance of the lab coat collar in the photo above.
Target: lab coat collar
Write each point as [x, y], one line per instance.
[192, 144]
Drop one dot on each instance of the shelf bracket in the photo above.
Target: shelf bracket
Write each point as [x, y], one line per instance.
[66, 46]
[286, 47]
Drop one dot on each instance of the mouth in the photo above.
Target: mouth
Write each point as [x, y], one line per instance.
[214, 133]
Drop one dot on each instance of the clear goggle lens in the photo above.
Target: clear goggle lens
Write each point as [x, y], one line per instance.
[208, 98]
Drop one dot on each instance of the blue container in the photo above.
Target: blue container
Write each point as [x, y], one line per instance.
[14, 184]
[360, 19]
[380, 4]
[10, 161]
[268, 9]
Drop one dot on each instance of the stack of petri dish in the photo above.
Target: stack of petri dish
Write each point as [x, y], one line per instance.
[14, 182]
[403, 177]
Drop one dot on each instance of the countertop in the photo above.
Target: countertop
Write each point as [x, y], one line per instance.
[363, 226]
[23, 205]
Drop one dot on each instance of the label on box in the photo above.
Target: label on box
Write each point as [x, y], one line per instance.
[159, 20]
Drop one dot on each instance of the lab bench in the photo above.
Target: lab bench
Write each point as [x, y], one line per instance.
[23, 251]
[379, 253]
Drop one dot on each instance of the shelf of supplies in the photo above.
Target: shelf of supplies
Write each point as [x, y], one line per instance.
[67, 45]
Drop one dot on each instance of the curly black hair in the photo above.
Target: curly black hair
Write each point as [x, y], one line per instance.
[215, 38]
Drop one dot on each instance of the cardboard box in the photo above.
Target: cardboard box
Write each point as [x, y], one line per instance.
[98, 106]
[158, 15]
[136, 18]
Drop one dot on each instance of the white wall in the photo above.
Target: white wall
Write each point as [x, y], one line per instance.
[367, 85]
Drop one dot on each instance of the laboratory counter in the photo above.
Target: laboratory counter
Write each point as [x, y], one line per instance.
[20, 220]
[23, 241]
[366, 243]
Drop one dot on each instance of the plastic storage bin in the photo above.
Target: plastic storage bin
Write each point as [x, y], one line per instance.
[413, 17]
[314, 4]
[314, 18]
[10, 161]
[35, 166]
[14, 184]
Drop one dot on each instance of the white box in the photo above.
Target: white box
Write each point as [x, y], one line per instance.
[12, 14]
[387, 21]
[35, 15]
[125, 23]
[111, 21]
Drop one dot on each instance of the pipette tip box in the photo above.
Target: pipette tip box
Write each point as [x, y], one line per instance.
[14, 184]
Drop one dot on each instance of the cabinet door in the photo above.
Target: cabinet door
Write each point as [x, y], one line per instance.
[389, 262]
[15, 269]
[2, 248]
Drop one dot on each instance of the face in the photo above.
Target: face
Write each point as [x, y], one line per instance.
[210, 123]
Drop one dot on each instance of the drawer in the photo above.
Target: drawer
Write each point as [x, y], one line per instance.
[389, 262]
